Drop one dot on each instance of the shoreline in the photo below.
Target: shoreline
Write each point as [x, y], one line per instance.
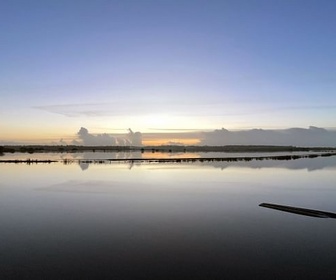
[172, 160]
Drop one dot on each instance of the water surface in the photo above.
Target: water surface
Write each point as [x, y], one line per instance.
[167, 221]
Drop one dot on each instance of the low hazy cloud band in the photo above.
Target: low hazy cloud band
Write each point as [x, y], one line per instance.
[311, 137]
[181, 107]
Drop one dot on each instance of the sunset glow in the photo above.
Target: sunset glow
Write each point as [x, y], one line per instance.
[159, 66]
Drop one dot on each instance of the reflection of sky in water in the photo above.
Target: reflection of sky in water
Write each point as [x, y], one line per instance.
[162, 221]
[89, 155]
[94, 157]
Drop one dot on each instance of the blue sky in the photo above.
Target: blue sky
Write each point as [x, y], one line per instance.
[162, 65]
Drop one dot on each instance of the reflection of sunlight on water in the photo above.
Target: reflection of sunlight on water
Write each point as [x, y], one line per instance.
[160, 155]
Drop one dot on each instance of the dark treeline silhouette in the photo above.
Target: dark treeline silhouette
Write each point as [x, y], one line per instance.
[164, 148]
[8, 149]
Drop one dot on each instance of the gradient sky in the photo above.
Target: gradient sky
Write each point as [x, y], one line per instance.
[164, 65]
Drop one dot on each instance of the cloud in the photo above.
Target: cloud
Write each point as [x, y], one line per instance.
[95, 140]
[135, 138]
[62, 142]
[88, 139]
[78, 110]
[207, 108]
[313, 136]
[142, 107]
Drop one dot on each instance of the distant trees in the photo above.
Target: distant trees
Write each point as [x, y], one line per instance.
[6, 150]
[29, 150]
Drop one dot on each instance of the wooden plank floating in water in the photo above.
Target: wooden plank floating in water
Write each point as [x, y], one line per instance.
[300, 211]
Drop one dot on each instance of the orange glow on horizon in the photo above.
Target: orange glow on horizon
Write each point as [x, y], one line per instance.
[164, 141]
[52, 136]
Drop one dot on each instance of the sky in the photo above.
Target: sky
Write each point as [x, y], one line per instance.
[169, 69]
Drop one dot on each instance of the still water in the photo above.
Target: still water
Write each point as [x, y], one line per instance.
[167, 220]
